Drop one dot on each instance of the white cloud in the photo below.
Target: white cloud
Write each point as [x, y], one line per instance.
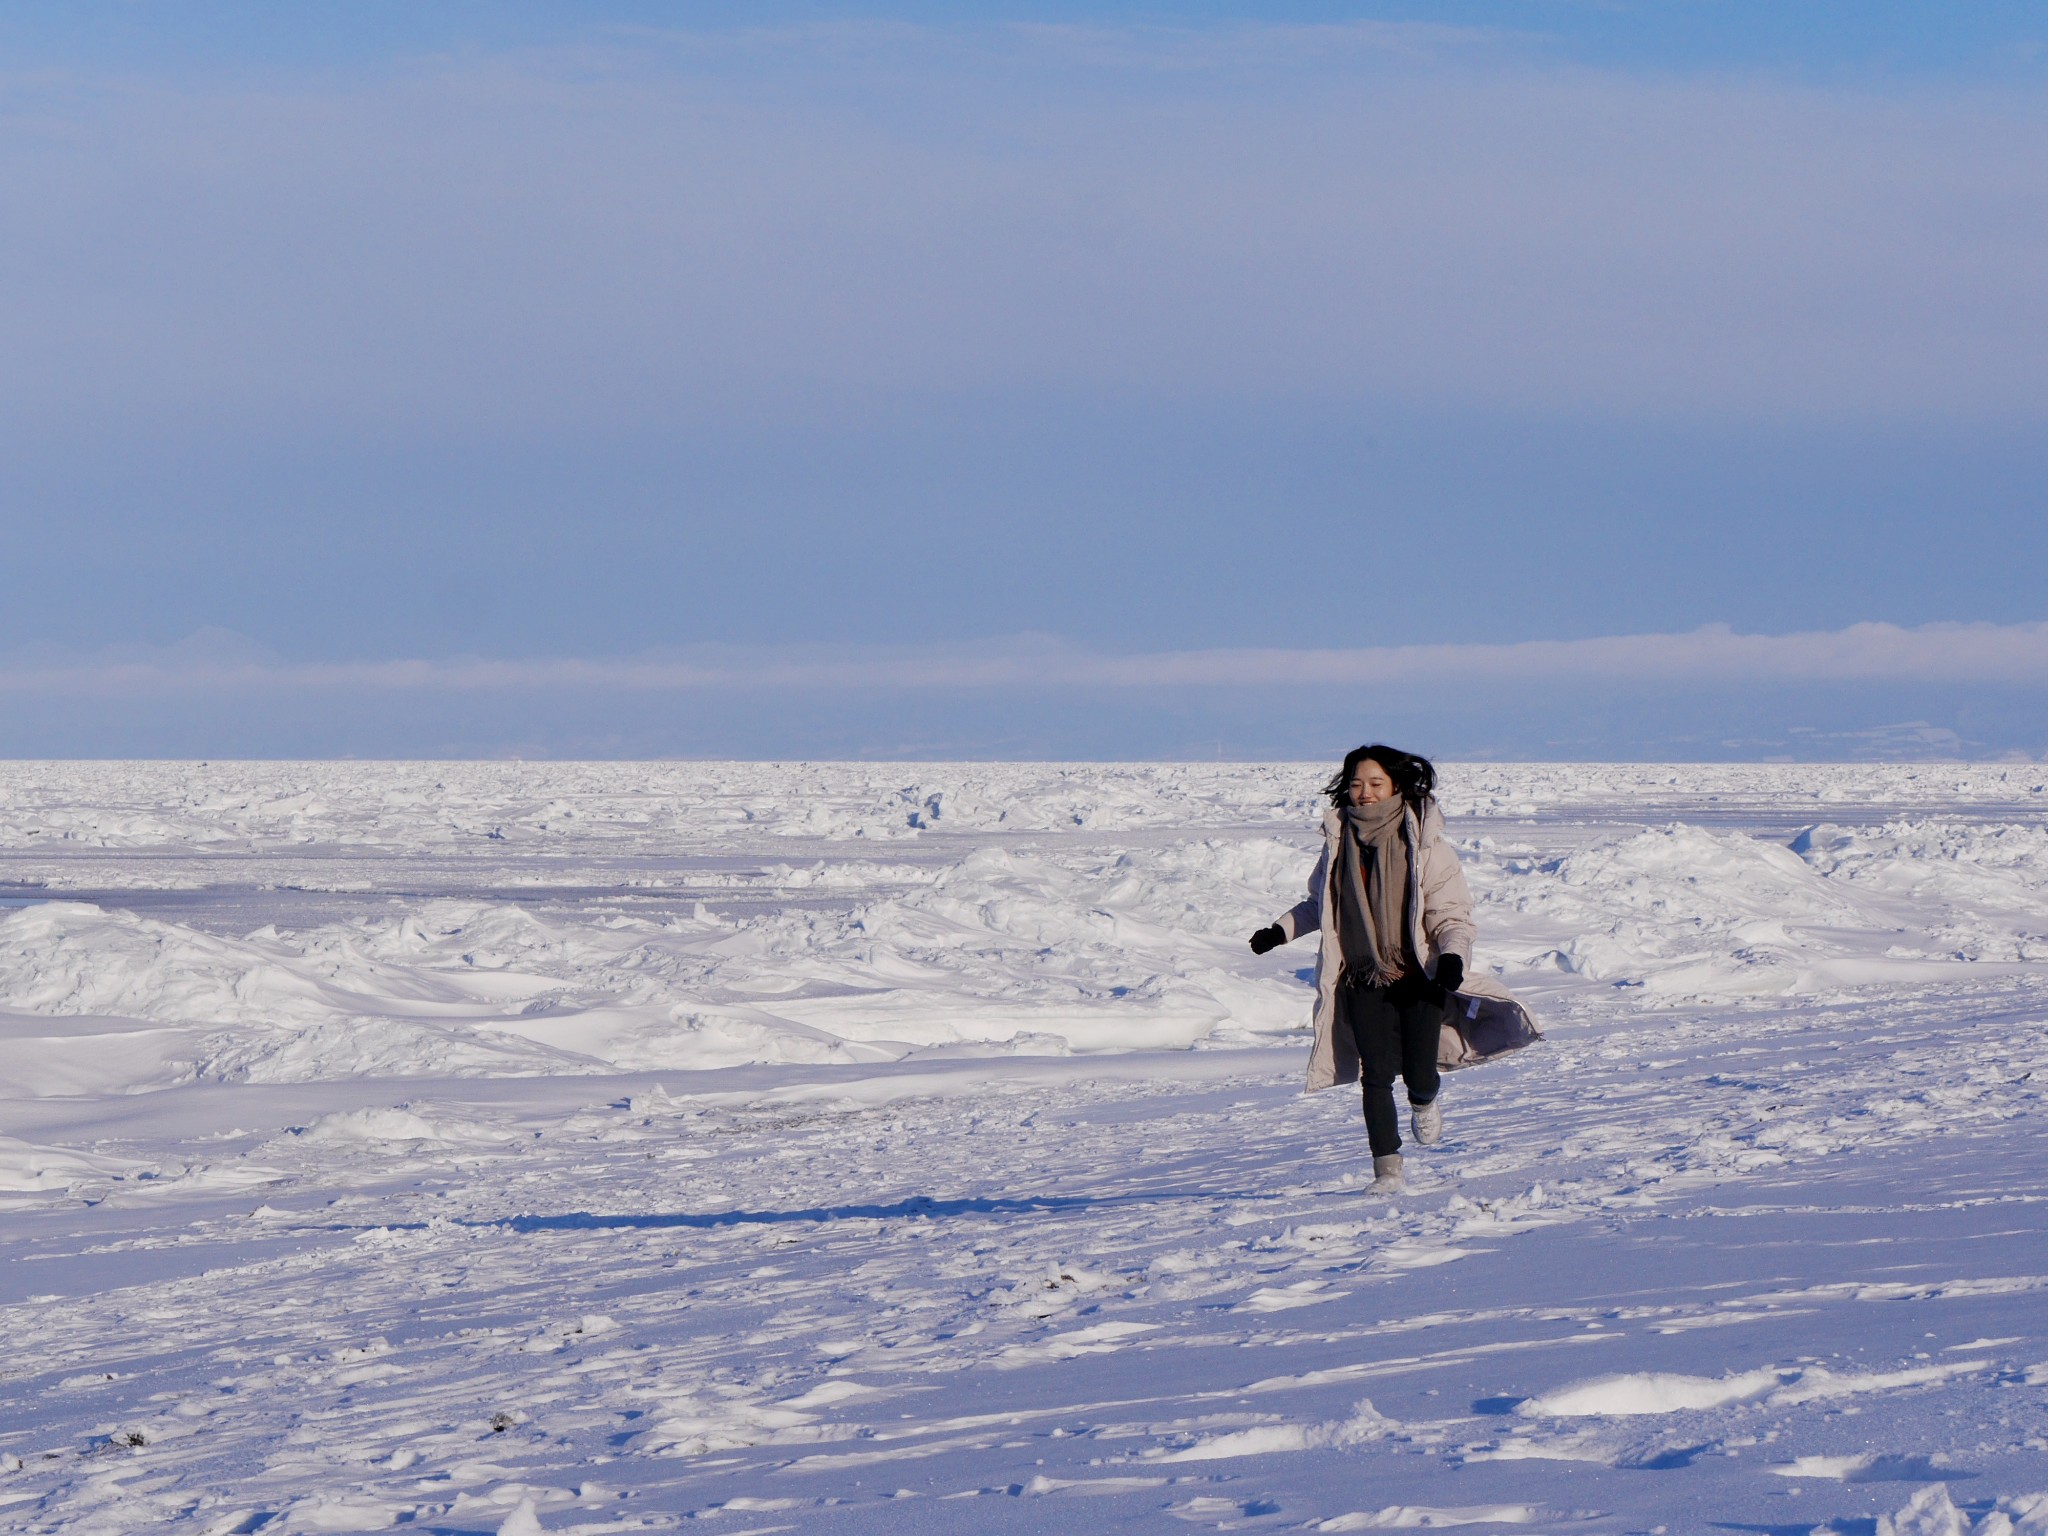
[1984, 655]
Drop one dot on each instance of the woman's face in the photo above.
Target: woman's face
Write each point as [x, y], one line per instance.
[1370, 784]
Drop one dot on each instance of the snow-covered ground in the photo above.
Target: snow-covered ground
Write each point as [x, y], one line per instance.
[617, 1147]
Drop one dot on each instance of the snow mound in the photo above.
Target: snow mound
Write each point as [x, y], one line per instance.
[1647, 1392]
[1931, 1512]
[381, 1127]
[1018, 909]
[1425, 1517]
[1365, 1423]
[29, 1168]
[1687, 914]
[1659, 1392]
[1014, 951]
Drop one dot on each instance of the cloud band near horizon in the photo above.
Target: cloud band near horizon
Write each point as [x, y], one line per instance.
[1995, 655]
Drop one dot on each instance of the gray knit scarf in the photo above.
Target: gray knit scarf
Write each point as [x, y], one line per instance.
[1372, 892]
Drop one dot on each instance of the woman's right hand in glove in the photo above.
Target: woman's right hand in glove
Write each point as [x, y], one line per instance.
[1268, 937]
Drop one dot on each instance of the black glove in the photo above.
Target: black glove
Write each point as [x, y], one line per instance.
[1269, 937]
[1450, 973]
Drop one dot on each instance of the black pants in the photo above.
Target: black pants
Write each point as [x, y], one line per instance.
[1396, 1029]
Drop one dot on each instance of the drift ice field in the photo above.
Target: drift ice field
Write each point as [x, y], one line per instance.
[858, 1148]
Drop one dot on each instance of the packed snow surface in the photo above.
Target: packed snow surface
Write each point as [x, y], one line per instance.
[514, 1147]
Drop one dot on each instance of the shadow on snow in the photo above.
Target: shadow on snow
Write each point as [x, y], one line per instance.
[916, 1206]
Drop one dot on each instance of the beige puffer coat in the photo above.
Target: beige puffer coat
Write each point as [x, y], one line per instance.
[1482, 1019]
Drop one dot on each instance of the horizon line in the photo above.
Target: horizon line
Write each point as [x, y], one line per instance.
[1873, 651]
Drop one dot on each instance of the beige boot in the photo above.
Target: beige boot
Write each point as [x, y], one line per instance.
[1386, 1171]
[1427, 1122]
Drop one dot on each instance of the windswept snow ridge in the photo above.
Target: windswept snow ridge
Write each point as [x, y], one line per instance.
[652, 918]
[482, 1148]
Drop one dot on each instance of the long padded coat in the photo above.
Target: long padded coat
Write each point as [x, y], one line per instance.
[1482, 1019]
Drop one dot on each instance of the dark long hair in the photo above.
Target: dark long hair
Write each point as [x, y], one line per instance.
[1414, 777]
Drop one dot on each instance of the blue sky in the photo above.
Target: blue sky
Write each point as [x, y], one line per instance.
[1817, 37]
[348, 337]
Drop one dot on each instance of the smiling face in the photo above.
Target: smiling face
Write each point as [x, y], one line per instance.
[1369, 784]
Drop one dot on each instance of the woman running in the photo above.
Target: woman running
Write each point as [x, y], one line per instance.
[1390, 905]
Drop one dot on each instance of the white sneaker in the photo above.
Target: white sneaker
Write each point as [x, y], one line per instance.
[1386, 1172]
[1427, 1122]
